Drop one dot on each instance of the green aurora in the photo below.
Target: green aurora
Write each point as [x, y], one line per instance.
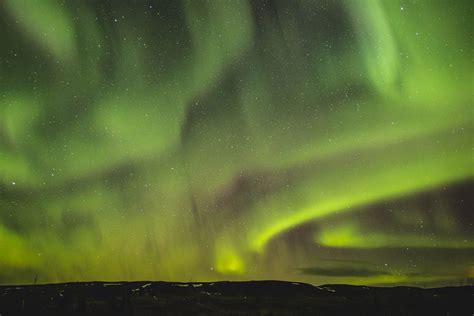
[317, 141]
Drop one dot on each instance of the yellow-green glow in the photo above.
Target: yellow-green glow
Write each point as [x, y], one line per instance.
[228, 262]
[326, 193]
[212, 140]
[350, 236]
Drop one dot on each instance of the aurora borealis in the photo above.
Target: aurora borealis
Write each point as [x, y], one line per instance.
[317, 141]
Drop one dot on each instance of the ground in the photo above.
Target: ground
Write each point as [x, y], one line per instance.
[231, 298]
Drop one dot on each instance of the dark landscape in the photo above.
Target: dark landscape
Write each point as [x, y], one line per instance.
[231, 298]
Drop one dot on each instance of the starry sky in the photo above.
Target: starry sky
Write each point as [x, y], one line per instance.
[316, 141]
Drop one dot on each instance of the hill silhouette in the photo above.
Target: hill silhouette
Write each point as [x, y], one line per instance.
[230, 298]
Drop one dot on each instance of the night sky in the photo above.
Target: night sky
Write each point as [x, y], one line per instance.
[315, 141]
